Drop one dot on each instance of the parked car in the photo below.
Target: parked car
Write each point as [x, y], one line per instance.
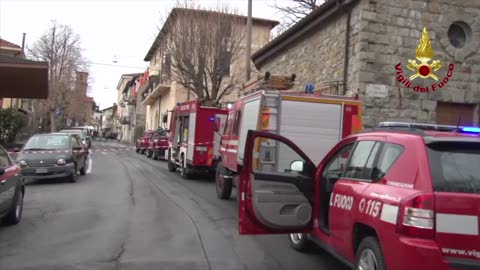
[406, 196]
[81, 134]
[141, 144]
[12, 189]
[158, 144]
[88, 135]
[54, 155]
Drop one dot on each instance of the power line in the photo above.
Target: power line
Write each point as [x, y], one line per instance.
[114, 65]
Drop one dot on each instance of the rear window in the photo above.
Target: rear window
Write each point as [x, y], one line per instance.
[455, 167]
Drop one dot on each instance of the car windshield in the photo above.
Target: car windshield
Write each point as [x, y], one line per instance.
[47, 142]
[455, 166]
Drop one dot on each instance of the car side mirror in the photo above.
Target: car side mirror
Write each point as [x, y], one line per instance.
[16, 149]
[217, 124]
[297, 166]
[2, 170]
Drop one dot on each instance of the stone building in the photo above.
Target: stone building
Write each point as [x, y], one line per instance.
[355, 46]
[162, 92]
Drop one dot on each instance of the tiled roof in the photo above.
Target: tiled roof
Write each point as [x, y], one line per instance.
[4, 43]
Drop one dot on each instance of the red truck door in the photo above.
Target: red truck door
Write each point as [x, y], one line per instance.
[276, 186]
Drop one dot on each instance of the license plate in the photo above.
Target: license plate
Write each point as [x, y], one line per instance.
[41, 171]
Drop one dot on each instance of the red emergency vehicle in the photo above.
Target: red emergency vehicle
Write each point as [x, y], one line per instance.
[316, 122]
[404, 196]
[193, 143]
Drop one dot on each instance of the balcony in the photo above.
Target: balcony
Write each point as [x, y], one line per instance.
[157, 87]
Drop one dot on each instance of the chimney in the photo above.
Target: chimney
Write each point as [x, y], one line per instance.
[22, 54]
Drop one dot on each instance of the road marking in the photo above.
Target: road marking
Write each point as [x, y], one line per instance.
[89, 169]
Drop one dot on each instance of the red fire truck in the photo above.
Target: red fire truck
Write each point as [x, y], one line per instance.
[193, 143]
[313, 121]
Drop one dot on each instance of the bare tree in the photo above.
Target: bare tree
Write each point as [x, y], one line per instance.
[202, 44]
[60, 46]
[295, 11]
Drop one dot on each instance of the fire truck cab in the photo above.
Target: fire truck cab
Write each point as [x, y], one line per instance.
[313, 121]
[193, 142]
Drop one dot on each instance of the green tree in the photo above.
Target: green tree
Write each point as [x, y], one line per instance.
[11, 123]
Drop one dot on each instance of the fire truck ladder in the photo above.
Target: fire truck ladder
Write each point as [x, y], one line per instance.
[268, 149]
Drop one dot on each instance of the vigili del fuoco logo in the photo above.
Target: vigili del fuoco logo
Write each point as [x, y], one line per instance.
[426, 67]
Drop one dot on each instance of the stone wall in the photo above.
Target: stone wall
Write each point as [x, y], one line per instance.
[390, 31]
[319, 57]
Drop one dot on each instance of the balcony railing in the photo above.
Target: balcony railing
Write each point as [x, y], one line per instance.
[158, 85]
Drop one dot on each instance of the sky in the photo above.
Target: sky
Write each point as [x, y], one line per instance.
[109, 29]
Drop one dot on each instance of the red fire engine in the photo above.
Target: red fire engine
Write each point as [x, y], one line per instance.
[313, 121]
[193, 143]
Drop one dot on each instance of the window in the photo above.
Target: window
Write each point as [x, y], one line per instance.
[335, 167]
[459, 34]
[167, 63]
[74, 141]
[271, 156]
[454, 166]
[357, 168]
[236, 126]
[225, 61]
[390, 153]
[4, 159]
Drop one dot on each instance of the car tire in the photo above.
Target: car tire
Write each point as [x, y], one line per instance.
[368, 250]
[300, 242]
[73, 177]
[83, 171]
[184, 171]
[137, 150]
[223, 185]
[15, 214]
[154, 155]
[170, 165]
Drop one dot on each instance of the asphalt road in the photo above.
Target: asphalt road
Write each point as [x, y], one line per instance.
[129, 212]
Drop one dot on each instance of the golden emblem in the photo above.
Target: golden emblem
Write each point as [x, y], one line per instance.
[424, 54]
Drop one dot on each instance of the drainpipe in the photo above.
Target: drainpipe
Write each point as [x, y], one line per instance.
[23, 46]
[347, 47]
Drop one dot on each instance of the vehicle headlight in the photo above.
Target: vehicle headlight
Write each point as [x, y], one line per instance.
[61, 161]
[22, 163]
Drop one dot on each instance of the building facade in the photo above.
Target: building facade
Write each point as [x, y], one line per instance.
[162, 92]
[126, 108]
[364, 47]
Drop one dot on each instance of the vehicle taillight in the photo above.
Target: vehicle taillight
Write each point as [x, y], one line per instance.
[416, 216]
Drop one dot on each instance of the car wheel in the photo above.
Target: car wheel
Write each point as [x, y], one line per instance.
[73, 177]
[137, 150]
[300, 242]
[223, 185]
[149, 153]
[184, 171]
[154, 155]
[83, 171]
[369, 255]
[170, 165]
[15, 214]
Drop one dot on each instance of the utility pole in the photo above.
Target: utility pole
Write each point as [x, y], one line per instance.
[249, 40]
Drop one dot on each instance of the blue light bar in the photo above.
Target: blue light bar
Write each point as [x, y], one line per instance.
[212, 119]
[471, 129]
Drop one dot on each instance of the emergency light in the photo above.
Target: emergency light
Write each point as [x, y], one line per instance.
[433, 127]
[471, 129]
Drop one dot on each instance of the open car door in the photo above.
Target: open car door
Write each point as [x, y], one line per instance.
[276, 186]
